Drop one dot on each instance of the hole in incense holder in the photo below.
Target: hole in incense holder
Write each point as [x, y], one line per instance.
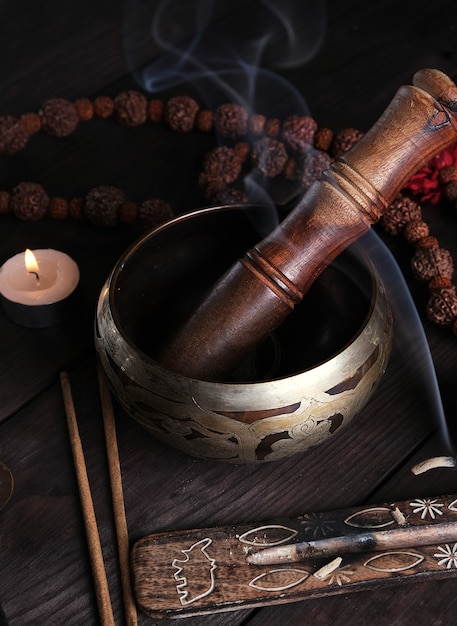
[300, 386]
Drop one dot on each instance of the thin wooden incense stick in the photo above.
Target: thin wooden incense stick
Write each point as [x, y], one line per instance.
[112, 451]
[404, 537]
[93, 539]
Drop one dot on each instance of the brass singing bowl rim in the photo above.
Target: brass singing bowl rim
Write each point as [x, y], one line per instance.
[351, 346]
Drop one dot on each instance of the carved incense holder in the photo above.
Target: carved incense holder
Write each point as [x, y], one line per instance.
[198, 571]
[303, 384]
[262, 288]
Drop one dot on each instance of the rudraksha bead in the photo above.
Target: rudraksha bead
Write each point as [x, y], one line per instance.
[155, 110]
[273, 127]
[312, 165]
[29, 201]
[102, 204]
[58, 208]
[103, 106]
[415, 230]
[402, 211]
[31, 122]
[242, 150]
[76, 208]
[450, 190]
[59, 117]
[257, 123]
[130, 108]
[84, 109]
[5, 202]
[298, 133]
[13, 135]
[153, 212]
[442, 306]
[439, 282]
[128, 212]
[204, 121]
[428, 262]
[447, 174]
[180, 113]
[269, 156]
[230, 195]
[344, 140]
[427, 242]
[291, 169]
[323, 138]
[222, 163]
[231, 120]
[210, 186]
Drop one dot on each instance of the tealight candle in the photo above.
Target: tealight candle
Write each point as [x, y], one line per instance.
[35, 287]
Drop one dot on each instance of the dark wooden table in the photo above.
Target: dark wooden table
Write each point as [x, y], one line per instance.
[353, 59]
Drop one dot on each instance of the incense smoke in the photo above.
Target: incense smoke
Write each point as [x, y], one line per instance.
[418, 375]
[225, 54]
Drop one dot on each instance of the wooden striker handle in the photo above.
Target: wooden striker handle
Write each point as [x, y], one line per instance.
[260, 290]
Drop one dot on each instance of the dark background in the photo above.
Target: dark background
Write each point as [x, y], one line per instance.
[356, 56]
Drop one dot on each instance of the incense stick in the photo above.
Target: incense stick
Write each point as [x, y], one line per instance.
[93, 539]
[112, 451]
[403, 537]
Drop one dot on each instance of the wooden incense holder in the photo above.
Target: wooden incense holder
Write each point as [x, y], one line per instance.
[193, 572]
[260, 290]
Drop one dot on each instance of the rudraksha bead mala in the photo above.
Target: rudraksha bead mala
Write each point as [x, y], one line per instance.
[430, 264]
[297, 149]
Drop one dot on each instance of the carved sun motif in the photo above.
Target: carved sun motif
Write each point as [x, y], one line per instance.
[427, 507]
[447, 555]
[318, 525]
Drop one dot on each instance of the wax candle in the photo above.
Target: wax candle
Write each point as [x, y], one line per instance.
[36, 286]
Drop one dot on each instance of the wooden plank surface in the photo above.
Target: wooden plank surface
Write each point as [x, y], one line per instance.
[77, 49]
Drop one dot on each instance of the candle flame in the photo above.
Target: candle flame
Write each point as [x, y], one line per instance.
[31, 264]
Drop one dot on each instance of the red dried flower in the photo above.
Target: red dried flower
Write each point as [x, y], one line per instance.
[426, 182]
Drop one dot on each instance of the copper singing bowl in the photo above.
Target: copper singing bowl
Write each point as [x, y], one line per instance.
[300, 387]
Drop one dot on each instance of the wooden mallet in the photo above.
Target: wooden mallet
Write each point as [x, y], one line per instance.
[260, 290]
